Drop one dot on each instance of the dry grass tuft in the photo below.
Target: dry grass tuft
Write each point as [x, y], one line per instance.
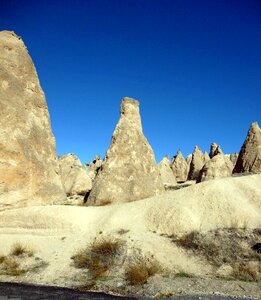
[139, 272]
[106, 246]
[9, 266]
[246, 271]
[19, 249]
[183, 274]
[105, 202]
[99, 256]
[188, 240]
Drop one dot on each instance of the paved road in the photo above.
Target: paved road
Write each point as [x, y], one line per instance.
[14, 291]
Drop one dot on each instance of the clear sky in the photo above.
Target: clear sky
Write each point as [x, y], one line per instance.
[194, 65]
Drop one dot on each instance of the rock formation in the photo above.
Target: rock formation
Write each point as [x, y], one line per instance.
[217, 167]
[179, 167]
[74, 175]
[166, 173]
[129, 171]
[214, 150]
[233, 157]
[206, 157]
[249, 158]
[196, 164]
[29, 171]
[94, 167]
[188, 160]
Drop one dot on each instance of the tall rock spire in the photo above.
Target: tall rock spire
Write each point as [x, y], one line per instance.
[129, 171]
[196, 163]
[179, 167]
[249, 158]
[29, 171]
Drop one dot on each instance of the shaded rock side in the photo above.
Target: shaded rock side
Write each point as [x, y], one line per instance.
[196, 164]
[249, 158]
[219, 166]
[29, 170]
[233, 157]
[75, 178]
[188, 160]
[215, 150]
[94, 167]
[206, 157]
[129, 171]
[166, 173]
[179, 167]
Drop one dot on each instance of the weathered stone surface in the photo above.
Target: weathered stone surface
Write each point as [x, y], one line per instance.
[179, 167]
[75, 178]
[206, 157]
[233, 157]
[196, 164]
[129, 171]
[29, 171]
[94, 167]
[188, 160]
[215, 150]
[219, 166]
[249, 158]
[166, 173]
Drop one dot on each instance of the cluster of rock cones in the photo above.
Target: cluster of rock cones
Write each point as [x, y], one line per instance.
[31, 173]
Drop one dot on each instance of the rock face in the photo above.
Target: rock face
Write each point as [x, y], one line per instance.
[94, 167]
[75, 178]
[196, 164]
[166, 173]
[249, 158]
[129, 171]
[206, 157]
[219, 166]
[179, 167]
[188, 160]
[29, 171]
[214, 150]
[233, 157]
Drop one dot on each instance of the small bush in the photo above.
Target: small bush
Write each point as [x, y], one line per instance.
[105, 202]
[188, 240]
[183, 274]
[246, 271]
[98, 256]
[81, 259]
[106, 246]
[10, 266]
[139, 272]
[18, 249]
[2, 258]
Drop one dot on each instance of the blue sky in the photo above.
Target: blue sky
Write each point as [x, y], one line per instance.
[195, 67]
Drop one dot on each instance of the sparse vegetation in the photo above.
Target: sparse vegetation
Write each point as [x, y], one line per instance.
[139, 272]
[105, 202]
[247, 271]
[183, 274]
[98, 256]
[19, 249]
[9, 266]
[227, 246]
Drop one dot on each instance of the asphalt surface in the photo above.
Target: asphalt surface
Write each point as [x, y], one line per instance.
[14, 291]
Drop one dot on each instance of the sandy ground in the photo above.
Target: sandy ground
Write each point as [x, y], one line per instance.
[57, 232]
